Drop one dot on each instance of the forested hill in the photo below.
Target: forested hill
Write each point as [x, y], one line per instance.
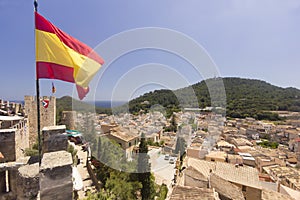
[67, 103]
[244, 97]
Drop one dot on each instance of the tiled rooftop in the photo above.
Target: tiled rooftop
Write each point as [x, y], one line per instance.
[242, 174]
[192, 193]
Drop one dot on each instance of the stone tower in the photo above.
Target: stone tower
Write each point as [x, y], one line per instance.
[47, 115]
[69, 118]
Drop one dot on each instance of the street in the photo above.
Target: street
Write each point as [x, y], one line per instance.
[161, 168]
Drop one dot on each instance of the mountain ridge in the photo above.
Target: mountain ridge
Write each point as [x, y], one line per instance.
[244, 97]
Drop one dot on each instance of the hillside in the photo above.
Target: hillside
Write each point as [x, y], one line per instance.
[67, 103]
[244, 98]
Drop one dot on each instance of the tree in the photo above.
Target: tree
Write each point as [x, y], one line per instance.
[180, 145]
[173, 123]
[144, 174]
[163, 191]
[102, 195]
[121, 185]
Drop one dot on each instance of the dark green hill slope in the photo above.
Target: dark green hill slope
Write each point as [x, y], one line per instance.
[244, 98]
[67, 103]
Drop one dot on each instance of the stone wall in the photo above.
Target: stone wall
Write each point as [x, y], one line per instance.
[69, 119]
[47, 115]
[56, 176]
[93, 175]
[9, 173]
[53, 139]
[21, 138]
[14, 142]
[2, 182]
[12, 179]
[28, 182]
[253, 193]
[8, 142]
[298, 154]
[193, 178]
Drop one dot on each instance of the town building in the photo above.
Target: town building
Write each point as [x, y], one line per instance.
[128, 139]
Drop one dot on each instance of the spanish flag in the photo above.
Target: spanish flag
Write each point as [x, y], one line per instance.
[60, 56]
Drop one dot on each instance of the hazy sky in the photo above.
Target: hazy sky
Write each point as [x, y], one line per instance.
[245, 38]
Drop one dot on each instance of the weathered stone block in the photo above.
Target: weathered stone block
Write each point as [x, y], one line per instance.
[28, 182]
[56, 176]
[7, 147]
[54, 140]
[2, 182]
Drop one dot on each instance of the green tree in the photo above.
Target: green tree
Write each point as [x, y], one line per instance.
[121, 185]
[144, 174]
[163, 191]
[173, 123]
[102, 195]
[180, 145]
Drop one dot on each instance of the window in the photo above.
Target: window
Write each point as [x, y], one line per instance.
[129, 144]
[244, 188]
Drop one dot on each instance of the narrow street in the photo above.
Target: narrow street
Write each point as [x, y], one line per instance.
[87, 182]
[161, 168]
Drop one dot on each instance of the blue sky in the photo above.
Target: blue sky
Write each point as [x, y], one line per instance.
[245, 38]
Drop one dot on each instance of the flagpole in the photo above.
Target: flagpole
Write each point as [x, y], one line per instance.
[38, 101]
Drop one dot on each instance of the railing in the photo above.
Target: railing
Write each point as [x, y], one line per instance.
[92, 175]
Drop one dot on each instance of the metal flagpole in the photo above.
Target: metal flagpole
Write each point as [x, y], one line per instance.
[38, 100]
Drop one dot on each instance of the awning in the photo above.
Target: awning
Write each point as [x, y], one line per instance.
[73, 133]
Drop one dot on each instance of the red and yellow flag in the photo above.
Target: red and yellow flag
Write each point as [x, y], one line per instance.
[60, 56]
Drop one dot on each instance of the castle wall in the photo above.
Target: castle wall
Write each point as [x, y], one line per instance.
[7, 147]
[14, 141]
[21, 138]
[47, 115]
[69, 119]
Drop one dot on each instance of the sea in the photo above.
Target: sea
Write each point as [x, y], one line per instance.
[102, 104]
[109, 104]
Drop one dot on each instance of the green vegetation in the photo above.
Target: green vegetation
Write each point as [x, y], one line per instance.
[268, 144]
[34, 151]
[144, 171]
[180, 146]
[150, 142]
[163, 191]
[113, 171]
[244, 98]
[121, 185]
[102, 195]
[67, 103]
[173, 125]
[31, 152]
[73, 152]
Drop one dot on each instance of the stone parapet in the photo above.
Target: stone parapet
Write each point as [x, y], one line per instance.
[54, 139]
[56, 176]
[7, 147]
[28, 182]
